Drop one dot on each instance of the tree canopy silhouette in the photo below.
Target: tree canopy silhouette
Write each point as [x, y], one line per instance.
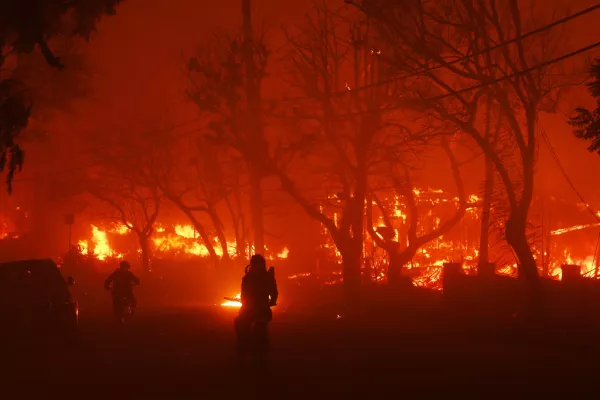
[587, 122]
[27, 25]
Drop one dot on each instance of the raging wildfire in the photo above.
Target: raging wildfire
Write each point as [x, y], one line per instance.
[398, 192]
[332, 135]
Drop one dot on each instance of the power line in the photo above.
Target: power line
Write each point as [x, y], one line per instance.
[298, 36]
[563, 171]
[470, 88]
[459, 60]
[521, 72]
[435, 98]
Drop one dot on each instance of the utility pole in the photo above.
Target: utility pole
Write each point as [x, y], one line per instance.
[2, 213]
[544, 258]
[252, 135]
[252, 89]
[486, 204]
[70, 220]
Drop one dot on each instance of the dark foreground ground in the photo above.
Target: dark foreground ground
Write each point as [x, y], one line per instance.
[187, 352]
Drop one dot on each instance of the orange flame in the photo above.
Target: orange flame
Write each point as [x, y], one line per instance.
[562, 231]
[234, 304]
[425, 268]
[101, 246]
[183, 239]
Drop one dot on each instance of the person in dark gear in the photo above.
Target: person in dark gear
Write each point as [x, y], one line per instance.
[122, 281]
[259, 294]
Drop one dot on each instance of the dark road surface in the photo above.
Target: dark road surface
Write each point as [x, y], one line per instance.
[184, 352]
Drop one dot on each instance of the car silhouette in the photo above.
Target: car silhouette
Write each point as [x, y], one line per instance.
[35, 300]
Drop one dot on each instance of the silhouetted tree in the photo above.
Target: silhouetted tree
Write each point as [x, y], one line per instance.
[132, 205]
[327, 63]
[225, 83]
[194, 180]
[235, 206]
[587, 122]
[27, 24]
[123, 180]
[15, 108]
[459, 50]
[488, 188]
[52, 89]
[399, 254]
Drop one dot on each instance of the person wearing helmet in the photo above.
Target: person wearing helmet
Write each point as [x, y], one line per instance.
[122, 281]
[259, 293]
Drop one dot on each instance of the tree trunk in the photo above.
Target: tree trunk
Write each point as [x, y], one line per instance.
[244, 238]
[398, 260]
[355, 241]
[516, 236]
[516, 228]
[235, 219]
[254, 129]
[218, 225]
[351, 260]
[238, 216]
[241, 246]
[145, 247]
[256, 207]
[207, 241]
[360, 194]
[484, 234]
[484, 244]
[200, 229]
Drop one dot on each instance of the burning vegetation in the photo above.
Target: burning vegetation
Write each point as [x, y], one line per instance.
[179, 241]
[460, 244]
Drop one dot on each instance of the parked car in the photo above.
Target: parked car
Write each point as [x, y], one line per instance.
[35, 299]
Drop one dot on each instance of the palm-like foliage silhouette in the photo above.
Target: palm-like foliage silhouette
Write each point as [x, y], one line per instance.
[587, 122]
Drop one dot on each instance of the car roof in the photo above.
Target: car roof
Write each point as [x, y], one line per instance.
[29, 264]
[44, 266]
[33, 279]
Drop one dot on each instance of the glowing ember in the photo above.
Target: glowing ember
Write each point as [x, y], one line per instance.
[509, 270]
[231, 303]
[573, 228]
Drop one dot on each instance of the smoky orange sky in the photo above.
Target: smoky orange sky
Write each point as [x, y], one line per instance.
[138, 58]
